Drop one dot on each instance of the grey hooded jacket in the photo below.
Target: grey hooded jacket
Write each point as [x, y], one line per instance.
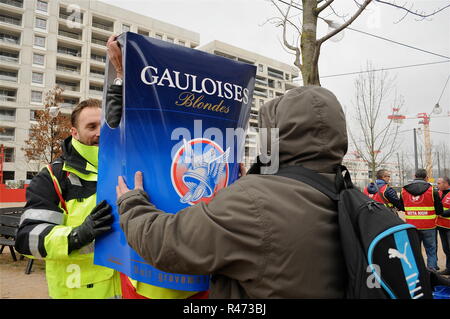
[264, 236]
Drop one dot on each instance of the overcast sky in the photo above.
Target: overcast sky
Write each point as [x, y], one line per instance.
[241, 23]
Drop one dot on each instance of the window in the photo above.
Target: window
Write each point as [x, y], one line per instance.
[260, 68]
[36, 96]
[37, 78]
[7, 134]
[41, 23]
[172, 40]
[182, 43]
[9, 154]
[279, 86]
[7, 115]
[38, 59]
[286, 76]
[42, 6]
[125, 28]
[270, 94]
[8, 176]
[30, 175]
[158, 36]
[7, 95]
[39, 41]
[261, 102]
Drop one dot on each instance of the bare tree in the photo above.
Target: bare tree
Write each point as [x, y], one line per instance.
[306, 44]
[376, 136]
[444, 158]
[46, 136]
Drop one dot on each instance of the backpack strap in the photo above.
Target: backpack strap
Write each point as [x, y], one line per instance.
[57, 187]
[313, 179]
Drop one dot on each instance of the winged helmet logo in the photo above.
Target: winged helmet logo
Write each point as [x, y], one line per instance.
[199, 172]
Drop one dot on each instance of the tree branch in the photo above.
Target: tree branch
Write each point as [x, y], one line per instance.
[416, 13]
[324, 6]
[346, 24]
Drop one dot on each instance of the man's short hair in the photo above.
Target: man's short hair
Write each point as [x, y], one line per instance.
[381, 173]
[446, 179]
[80, 107]
[421, 173]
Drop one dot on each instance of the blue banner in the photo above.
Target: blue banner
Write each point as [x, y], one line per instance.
[182, 114]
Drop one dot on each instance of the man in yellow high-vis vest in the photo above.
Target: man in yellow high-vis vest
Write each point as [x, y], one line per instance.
[61, 218]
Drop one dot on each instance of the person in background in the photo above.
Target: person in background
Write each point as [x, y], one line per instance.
[422, 205]
[443, 223]
[381, 192]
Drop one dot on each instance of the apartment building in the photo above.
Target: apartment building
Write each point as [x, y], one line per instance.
[48, 42]
[273, 78]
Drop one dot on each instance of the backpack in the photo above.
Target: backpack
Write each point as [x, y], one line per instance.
[382, 253]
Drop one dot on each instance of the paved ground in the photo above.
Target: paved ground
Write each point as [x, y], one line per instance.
[15, 284]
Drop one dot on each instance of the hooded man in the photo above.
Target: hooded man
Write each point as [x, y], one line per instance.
[264, 236]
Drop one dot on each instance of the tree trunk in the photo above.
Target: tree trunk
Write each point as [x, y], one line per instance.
[308, 44]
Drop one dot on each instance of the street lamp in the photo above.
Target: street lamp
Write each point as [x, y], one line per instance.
[437, 109]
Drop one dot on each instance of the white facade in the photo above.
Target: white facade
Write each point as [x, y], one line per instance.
[43, 43]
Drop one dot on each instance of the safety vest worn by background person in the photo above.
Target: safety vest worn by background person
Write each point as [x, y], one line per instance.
[379, 196]
[59, 199]
[419, 210]
[444, 221]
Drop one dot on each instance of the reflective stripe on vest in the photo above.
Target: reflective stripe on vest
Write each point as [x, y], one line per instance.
[420, 209]
[444, 221]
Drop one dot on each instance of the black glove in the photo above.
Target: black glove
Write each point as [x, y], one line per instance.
[98, 222]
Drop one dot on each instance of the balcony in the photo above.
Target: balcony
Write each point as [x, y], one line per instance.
[99, 41]
[14, 3]
[275, 73]
[95, 89]
[73, 17]
[9, 57]
[7, 134]
[68, 68]
[98, 58]
[10, 19]
[100, 74]
[69, 103]
[69, 51]
[70, 34]
[8, 95]
[68, 86]
[6, 38]
[102, 24]
[260, 92]
[10, 76]
[261, 81]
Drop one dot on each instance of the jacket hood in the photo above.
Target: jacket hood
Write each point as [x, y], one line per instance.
[417, 187]
[372, 188]
[312, 128]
